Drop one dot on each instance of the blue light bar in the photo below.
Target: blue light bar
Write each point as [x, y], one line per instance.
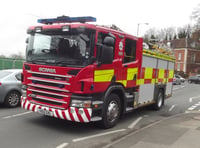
[67, 19]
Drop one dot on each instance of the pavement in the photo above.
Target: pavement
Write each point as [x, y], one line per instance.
[179, 131]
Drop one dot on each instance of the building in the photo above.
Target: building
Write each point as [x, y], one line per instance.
[187, 54]
[187, 60]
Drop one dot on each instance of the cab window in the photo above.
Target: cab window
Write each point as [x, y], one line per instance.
[101, 37]
[130, 51]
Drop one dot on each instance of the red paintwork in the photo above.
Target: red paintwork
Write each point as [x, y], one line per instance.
[86, 74]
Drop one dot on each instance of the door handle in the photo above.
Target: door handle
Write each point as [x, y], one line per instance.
[135, 77]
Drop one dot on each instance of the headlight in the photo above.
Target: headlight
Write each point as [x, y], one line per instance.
[81, 103]
[24, 93]
[24, 88]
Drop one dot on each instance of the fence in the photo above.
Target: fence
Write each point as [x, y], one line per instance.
[11, 63]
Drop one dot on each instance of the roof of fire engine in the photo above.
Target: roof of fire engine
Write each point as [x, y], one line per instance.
[67, 19]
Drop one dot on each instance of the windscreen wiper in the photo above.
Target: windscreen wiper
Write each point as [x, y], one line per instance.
[66, 62]
[37, 61]
[49, 50]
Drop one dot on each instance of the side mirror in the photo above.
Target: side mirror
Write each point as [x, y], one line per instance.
[105, 55]
[109, 41]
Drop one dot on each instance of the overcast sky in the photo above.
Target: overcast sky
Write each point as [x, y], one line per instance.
[17, 15]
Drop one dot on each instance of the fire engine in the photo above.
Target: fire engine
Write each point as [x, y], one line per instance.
[83, 72]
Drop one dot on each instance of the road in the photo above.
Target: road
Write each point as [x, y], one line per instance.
[22, 129]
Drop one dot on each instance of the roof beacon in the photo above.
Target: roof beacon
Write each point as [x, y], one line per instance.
[67, 19]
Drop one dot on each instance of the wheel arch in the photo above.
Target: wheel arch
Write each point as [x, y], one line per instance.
[158, 88]
[158, 104]
[118, 90]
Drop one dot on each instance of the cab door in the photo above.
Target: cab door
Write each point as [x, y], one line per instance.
[104, 73]
[130, 63]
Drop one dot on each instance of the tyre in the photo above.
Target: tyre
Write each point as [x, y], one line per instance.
[159, 100]
[111, 111]
[12, 99]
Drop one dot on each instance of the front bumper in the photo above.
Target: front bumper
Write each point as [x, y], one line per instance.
[71, 114]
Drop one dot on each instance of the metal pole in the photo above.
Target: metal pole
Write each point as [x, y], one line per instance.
[138, 30]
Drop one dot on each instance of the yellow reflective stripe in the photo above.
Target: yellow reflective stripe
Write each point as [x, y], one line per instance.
[148, 73]
[138, 82]
[171, 74]
[158, 55]
[131, 73]
[124, 82]
[161, 74]
[103, 75]
[141, 81]
[153, 81]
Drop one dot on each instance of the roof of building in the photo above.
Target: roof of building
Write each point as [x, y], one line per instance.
[183, 43]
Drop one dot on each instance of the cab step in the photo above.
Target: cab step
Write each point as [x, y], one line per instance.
[129, 109]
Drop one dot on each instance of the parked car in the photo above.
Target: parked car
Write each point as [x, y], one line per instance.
[194, 79]
[176, 80]
[182, 79]
[10, 87]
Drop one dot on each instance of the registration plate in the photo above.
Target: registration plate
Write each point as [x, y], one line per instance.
[45, 112]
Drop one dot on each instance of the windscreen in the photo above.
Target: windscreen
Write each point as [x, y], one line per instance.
[60, 48]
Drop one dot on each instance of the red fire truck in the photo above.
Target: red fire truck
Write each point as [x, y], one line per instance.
[83, 72]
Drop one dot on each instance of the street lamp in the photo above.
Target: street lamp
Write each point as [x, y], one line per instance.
[139, 26]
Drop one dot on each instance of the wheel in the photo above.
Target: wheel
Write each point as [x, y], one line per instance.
[111, 111]
[159, 101]
[12, 99]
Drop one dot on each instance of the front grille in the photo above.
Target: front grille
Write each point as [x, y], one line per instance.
[45, 83]
[52, 90]
[49, 77]
[49, 89]
[48, 95]
[46, 101]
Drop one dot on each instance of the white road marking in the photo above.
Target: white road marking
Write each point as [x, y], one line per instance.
[97, 135]
[146, 116]
[17, 115]
[114, 142]
[172, 107]
[178, 87]
[191, 98]
[194, 106]
[62, 145]
[132, 125]
[182, 86]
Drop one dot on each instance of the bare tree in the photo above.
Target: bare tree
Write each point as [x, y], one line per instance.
[2, 56]
[196, 14]
[151, 32]
[161, 34]
[19, 55]
[185, 31]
